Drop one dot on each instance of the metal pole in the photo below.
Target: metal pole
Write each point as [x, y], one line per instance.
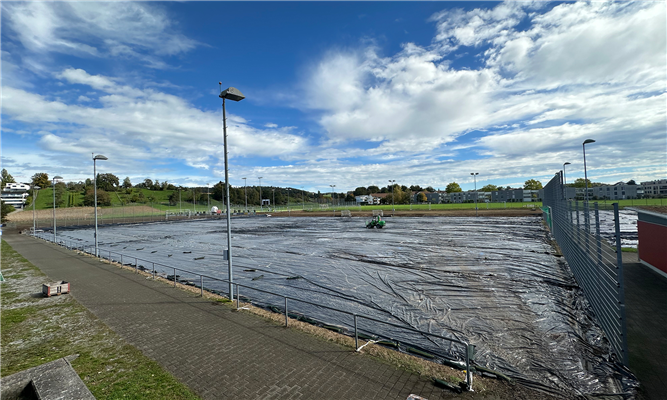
[95, 205]
[34, 200]
[245, 193]
[54, 210]
[621, 288]
[229, 219]
[261, 206]
[238, 299]
[356, 334]
[303, 199]
[285, 311]
[201, 285]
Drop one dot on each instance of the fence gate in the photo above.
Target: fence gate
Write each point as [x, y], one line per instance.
[595, 262]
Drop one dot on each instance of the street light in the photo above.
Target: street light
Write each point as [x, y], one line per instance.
[95, 158]
[208, 197]
[288, 212]
[55, 178]
[260, 193]
[274, 198]
[393, 209]
[245, 192]
[564, 177]
[332, 198]
[234, 95]
[303, 199]
[585, 174]
[34, 199]
[474, 177]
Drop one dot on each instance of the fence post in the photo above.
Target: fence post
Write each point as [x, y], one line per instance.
[174, 277]
[201, 284]
[136, 265]
[621, 288]
[238, 299]
[121, 259]
[470, 353]
[153, 270]
[285, 311]
[356, 334]
[576, 208]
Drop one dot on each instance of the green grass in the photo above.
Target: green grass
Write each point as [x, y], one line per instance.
[629, 250]
[36, 330]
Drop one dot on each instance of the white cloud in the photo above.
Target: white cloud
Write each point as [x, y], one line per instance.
[97, 29]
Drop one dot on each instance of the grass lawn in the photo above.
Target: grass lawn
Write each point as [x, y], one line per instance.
[36, 330]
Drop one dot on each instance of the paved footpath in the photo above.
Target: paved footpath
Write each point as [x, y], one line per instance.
[646, 312]
[217, 352]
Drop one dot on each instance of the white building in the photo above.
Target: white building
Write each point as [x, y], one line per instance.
[655, 188]
[15, 194]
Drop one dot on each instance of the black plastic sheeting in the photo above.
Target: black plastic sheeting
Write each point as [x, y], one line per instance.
[493, 282]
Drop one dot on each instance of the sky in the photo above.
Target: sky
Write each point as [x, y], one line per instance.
[337, 93]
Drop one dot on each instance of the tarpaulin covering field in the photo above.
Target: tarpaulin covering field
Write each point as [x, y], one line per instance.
[494, 282]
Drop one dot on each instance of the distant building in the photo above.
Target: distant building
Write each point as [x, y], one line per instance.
[15, 194]
[654, 188]
[469, 196]
[617, 191]
[367, 199]
[437, 197]
[516, 195]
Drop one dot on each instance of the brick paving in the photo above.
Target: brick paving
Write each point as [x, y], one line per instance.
[217, 352]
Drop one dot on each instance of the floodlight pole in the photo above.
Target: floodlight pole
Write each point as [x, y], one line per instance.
[303, 199]
[54, 207]
[585, 173]
[208, 197]
[34, 199]
[274, 198]
[245, 192]
[288, 212]
[261, 207]
[393, 208]
[474, 176]
[234, 95]
[95, 158]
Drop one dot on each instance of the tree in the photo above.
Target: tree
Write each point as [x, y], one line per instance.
[360, 191]
[103, 198]
[373, 189]
[127, 183]
[61, 197]
[6, 209]
[6, 178]
[416, 188]
[41, 179]
[107, 182]
[421, 197]
[489, 188]
[430, 189]
[453, 187]
[532, 184]
[632, 182]
[580, 183]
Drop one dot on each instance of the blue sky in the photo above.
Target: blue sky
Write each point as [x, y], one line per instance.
[344, 93]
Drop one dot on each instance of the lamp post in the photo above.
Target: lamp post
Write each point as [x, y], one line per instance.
[474, 177]
[564, 177]
[245, 192]
[95, 158]
[303, 199]
[565, 181]
[288, 212]
[585, 173]
[393, 208]
[332, 198]
[34, 199]
[55, 178]
[274, 198]
[260, 193]
[234, 95]
[208, 198]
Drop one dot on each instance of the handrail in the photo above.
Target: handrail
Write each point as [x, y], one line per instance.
[469, 348]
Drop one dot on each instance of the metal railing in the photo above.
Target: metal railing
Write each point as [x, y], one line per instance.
[595, 262]
[468, 349]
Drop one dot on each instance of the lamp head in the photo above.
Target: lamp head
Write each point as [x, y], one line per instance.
[567, 163]
[589, 141]
[232, 93]
[36, 187]
[100, 157]
[55, 178]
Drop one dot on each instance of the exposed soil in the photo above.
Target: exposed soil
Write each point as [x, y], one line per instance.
[509, 212]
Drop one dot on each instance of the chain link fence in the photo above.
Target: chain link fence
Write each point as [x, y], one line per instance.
[595, 261]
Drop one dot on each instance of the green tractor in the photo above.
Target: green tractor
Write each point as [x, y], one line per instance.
[376, 222]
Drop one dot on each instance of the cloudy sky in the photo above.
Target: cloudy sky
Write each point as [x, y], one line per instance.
[345, 94]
